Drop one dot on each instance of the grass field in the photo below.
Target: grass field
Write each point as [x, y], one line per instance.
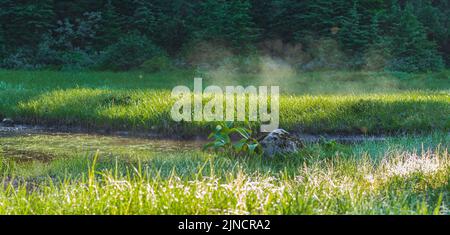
[319, 102]
[407, 173]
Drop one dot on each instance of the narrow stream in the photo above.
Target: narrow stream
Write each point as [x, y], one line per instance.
[154, 137]
[26, 143]
[23, 142]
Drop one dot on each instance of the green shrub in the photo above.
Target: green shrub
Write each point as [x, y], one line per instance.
[22, 58]
[411, 49]
[221, 137]
[205, 54]
[157, 64]
[242, 64]
[129, 52]
[78, 60]
[427, 62]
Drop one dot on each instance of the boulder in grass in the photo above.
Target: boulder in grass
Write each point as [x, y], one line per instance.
[280, 142]
[8, 122]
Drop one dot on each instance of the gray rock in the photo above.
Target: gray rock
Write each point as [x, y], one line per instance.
[280, 142]
[8, 122]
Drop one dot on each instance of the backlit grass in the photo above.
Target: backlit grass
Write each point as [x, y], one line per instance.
[355, 102]
[94, 174]
[408, 175]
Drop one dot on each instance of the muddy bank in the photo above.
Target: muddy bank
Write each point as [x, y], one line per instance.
[24, 143]
[64, 130]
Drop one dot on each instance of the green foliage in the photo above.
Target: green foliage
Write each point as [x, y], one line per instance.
[174, 23]
[229, 21]
[320, 16]
[157, 64]
[129, 52]
[110, 27]
[144, 18]
[354, 35]
[349, 102]
[77, 60]
[435, 17]
[222, 140]
[21, 58]
[415, 33]
[24, 22]
[410, 48]
[396, 176]
[2, 45]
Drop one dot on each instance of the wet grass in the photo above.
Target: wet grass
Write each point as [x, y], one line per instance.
[309, 83]
[94, 174]
[319, 102]
[404, 175]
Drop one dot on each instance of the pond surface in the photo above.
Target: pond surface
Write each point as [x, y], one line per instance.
[44, 144]
[25, 143]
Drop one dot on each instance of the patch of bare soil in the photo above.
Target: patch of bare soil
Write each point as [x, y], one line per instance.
[31, 184]
[61, 130]
[24, 155]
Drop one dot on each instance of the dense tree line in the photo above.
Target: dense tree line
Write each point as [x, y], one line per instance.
[400, 35]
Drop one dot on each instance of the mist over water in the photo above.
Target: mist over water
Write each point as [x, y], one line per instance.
[322, 68]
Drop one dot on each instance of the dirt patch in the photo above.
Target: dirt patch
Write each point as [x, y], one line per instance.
[23, 155]
[343, 139]
[32, 184]
[120, 100]
[64, 130]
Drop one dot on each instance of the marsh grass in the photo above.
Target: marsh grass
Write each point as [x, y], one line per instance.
[83, 174]
[368, 114]
[371, 103]
[321, 179]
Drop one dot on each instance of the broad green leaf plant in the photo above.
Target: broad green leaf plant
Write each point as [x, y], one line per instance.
[245, 145]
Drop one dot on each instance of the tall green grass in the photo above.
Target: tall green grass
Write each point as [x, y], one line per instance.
[150, 111]
[354, 102]
[408, 175]
[305, 83]
[65, 174]
[403, 184]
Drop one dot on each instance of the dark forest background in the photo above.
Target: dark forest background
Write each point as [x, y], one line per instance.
[155, 35]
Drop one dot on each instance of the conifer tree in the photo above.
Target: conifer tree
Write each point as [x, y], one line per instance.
[110, 26]
[174, 23]
[225, 20]
[410, 47]
[2, 45]
[436, 21]
[24, 23]
[415, 34]
[353, 35]
[143, 18]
